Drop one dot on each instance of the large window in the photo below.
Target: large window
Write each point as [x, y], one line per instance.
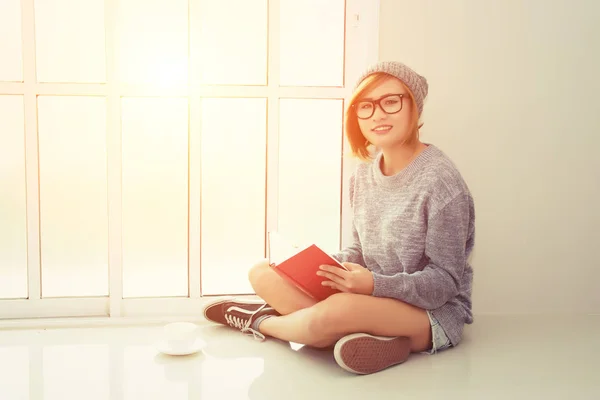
[146, 148]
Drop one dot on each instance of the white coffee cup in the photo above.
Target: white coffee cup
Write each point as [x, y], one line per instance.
[180, 336]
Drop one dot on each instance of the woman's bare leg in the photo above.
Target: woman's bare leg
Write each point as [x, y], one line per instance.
[397, 328]
[323, 324]
[280, 296]
[283, 296]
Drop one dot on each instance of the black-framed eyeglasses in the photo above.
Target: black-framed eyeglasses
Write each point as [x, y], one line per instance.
[390, 104]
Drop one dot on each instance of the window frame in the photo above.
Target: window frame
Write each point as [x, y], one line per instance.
[361, 44]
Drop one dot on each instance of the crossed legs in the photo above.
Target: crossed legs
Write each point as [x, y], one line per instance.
[322, 324]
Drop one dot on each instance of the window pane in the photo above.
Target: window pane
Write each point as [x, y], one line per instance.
[74, 222]
[233, 192]
[311, 43]
[14, 372]
[13, 214]
[229, 57]
[309, 197]
[153, 41]
[11, 66]
[69, 37]
[76, 372]
[155, 197]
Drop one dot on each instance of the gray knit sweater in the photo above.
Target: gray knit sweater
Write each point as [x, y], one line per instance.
[415, 232]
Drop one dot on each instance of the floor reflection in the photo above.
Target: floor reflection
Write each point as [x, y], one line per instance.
[516, 358]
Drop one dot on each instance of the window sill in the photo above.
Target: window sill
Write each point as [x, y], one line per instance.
[57, 313]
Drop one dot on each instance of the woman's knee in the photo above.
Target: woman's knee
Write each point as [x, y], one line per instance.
[259, 273]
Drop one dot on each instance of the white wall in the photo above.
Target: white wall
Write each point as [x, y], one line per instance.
[515, 101]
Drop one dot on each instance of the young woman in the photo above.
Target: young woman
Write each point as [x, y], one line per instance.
[408, 288]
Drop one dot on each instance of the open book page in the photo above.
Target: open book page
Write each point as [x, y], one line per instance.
[280, 249]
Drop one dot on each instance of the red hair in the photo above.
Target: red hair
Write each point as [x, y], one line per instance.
[358, 143]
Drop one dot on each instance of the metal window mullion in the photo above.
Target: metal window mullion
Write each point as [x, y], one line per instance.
[194, 152]
[114, 163]
[34, 266]
[362, 50]
[272, 151]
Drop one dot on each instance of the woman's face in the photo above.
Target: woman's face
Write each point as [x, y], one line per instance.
[385, 114]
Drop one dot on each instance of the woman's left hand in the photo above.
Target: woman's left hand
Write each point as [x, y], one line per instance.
[357, 279]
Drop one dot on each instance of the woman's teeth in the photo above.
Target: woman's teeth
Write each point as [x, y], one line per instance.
[382, 128]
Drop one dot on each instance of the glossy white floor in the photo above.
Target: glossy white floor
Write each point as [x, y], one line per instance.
[501, 358]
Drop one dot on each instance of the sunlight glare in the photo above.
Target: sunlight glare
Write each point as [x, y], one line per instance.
[153, 42]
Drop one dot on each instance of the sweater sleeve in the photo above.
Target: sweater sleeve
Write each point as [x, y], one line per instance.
[353, 253]
[448, 242]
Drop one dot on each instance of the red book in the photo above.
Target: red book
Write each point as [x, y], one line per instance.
[301, 270]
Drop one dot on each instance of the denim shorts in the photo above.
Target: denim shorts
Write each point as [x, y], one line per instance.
[438, 336]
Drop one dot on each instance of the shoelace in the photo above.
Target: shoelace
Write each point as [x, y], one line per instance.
[244, 325]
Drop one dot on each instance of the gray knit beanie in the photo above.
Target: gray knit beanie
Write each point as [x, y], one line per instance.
[415, 82]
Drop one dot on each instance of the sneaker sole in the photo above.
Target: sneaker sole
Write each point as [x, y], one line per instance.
[363, 354]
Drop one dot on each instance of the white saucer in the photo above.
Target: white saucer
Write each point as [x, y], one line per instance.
[163, 347]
